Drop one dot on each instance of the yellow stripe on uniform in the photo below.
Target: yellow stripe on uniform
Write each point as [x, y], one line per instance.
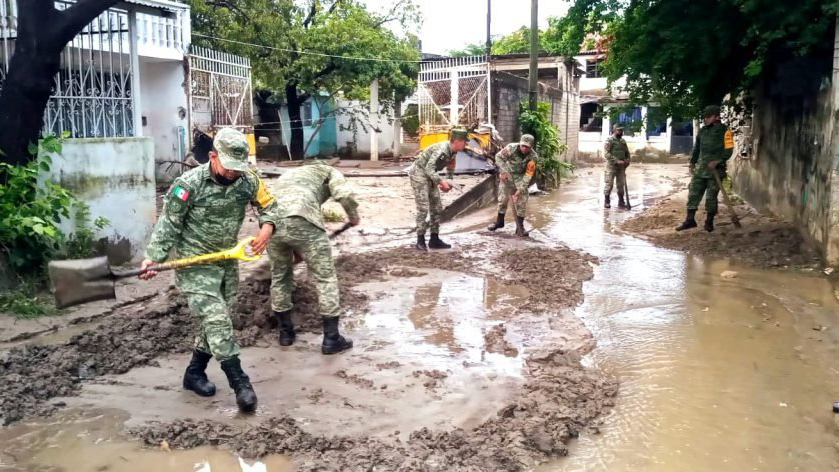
[263, 196]
[531, 168]
[729, 139]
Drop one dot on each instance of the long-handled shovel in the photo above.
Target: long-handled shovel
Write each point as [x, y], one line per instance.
[80, 281]
[734, 218]
[626, 193]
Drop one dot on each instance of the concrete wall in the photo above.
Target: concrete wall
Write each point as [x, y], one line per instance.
[508, 91]
[115, 177]
[164, 109]
[356, 142]
[793, 158]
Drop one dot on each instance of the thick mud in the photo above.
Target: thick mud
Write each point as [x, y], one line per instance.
[763, 241]
[559, 400]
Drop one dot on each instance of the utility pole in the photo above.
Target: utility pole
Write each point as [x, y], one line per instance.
[534, 54]
[489, 23]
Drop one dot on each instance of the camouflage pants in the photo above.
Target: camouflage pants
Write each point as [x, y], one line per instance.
[505, 192]
[615, 173]
[427, 196]
[210, 291]
[703, 186]
[298, 234]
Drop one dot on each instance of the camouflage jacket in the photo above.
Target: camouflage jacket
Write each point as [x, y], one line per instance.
[521, 167]
[434, 159]
[616, 150]
[715, 142]
[202, 216]
[306, 188]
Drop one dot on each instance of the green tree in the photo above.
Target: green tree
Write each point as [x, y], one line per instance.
[684, 54]
[310, 47]
[517, 42]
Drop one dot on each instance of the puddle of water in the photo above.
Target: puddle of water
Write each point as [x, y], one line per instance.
[716, 374]
[84, 441]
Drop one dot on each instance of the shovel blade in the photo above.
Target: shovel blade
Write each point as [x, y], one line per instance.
[81, 281]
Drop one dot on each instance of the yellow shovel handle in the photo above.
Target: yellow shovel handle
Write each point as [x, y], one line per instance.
[235, 253]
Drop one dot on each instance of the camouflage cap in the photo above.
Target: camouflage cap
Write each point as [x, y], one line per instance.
[459, 133]
[527, 140]
[232, 148]
[618, 127]
[710, 110]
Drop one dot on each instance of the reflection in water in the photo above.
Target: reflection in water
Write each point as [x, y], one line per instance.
[716, 374]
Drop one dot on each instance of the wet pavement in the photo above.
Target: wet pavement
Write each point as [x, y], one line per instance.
[715, 373]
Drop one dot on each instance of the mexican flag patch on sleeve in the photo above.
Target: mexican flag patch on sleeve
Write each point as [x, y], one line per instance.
[180, 193]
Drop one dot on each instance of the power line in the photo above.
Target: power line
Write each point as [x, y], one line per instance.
[354, 58]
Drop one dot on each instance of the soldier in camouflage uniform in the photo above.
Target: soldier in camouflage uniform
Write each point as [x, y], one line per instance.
[516, 164]
[202, 213]
[300, 228]
[714, 146]
[617, 160]
[426, 181]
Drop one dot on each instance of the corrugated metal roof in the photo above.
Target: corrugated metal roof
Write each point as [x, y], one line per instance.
[162, 4]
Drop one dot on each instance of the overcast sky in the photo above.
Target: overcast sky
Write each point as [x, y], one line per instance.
[451, 24]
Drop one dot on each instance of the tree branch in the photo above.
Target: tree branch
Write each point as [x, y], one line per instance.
[391, 15]
[72, 20]
[311, 17]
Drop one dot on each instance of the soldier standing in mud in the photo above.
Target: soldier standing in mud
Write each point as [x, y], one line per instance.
[300, 228]
[617, 160]
[714, 146]
[425, 181]
[517, 164]
[203, 213]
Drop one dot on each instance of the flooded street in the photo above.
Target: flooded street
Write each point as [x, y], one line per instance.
[715, 374]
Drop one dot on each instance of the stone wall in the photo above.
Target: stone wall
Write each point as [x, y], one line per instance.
[792, 161]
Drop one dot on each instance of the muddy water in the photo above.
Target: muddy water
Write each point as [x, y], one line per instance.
[716, 374]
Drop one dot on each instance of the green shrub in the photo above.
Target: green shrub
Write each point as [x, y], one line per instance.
[550, 166]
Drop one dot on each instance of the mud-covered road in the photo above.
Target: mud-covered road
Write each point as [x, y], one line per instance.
[495, 355]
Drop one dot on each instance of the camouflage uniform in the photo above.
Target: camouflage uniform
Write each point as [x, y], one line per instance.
[715, 142]
[424, 180]
[616, 150]
[521, 168]
[300, 227]
[201, 216]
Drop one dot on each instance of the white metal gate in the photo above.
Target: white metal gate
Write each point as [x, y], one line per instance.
[220, 94]
[454, 92]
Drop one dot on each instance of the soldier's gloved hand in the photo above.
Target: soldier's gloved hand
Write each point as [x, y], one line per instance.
[505, 176]
[713, 164]
[445, 186]
[263, 237]
[145, 265]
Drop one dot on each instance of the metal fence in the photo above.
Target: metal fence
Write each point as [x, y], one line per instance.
[220, 91]
[454, 92]
[92, 94]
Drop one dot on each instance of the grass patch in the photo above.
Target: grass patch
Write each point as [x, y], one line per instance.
[26, 302]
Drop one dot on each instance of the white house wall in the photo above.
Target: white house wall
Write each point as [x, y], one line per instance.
[360, 141]
[115, 178]
[164, 109]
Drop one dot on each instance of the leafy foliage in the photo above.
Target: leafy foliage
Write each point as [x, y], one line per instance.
[25, 301]
[548, 145]
[517, 42]
[410, 120]
[29, 212]
[684, 54]
[80, 244]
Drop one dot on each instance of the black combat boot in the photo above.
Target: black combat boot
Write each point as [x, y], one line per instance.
[333, 342]
[621, 203]
[499, 223]
[434, 242]
[690, 221]
[606, 202]
[520, 227]
[286, 327]
[421, 242]
[709, 222]
[195, 378]
[240, 383]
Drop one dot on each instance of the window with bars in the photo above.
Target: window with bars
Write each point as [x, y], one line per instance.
[306, 113]
[594, 68]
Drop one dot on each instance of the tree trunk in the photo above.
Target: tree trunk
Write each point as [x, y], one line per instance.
[33, 66]
[294, 101]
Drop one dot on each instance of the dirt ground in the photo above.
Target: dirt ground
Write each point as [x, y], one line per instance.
[763, 241]
[467, 359]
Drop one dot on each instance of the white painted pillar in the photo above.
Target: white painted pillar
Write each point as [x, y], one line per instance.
[134, 59]
[669, 138]
[454, 111]
[374, 120]
[397, 129]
